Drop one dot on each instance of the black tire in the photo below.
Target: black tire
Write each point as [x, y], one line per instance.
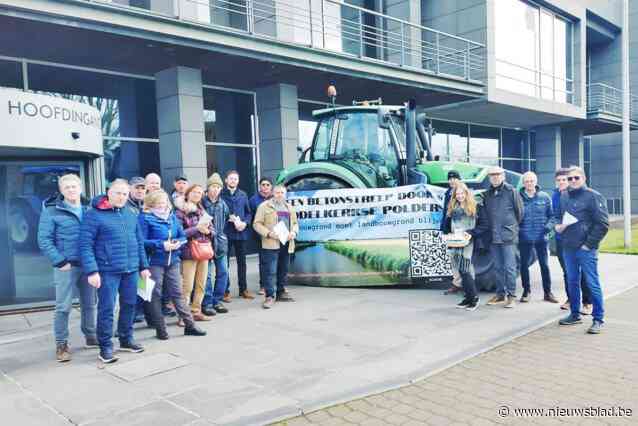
[484, 269]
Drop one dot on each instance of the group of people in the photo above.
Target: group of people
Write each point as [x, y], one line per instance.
[505, 221]
[137, 233]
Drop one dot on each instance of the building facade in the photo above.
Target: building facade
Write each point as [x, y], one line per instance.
[196, 86]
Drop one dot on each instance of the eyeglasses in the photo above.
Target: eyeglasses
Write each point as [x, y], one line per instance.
[571, 178]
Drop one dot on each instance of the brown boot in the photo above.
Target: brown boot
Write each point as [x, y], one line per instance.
[201, 317]
[246, 295]
[62, 352]
[227, 298]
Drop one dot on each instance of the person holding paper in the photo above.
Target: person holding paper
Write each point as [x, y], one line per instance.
[580, 244]
[163, 240]
[537, 223]
[276, 222]
[113, 257]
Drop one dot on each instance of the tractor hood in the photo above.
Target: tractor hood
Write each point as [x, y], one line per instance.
[437, 171]
[349, 174]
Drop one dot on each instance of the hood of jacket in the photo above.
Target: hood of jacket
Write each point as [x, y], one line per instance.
[101, 202]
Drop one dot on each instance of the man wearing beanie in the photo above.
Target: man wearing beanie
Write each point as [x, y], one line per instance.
[453, 177]
[218, 210]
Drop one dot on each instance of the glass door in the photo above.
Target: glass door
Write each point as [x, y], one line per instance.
[26, 276]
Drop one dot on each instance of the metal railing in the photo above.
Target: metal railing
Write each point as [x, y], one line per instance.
[605, 99]
[337, 27]
[534, 82]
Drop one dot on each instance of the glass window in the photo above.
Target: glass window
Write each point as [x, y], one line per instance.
[222, 159]
[547, 55]
[11, 74]
[450, 140]
[515, 146]
[321, 149]
[127, 105]
[125, 159]
[562, 60]
[484, 144]
[227, 116]
[307, 125]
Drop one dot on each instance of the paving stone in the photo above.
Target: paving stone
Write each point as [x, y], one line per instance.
[146, 366]
[159, 413]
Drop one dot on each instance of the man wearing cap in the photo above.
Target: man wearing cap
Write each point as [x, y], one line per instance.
[452, 178]
[504, 209]
[179, 187]
[135, 200]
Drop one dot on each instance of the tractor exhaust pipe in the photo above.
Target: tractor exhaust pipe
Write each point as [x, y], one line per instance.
[410, 134]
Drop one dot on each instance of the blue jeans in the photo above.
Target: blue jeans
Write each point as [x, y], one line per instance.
[577, 262]
[504, 256]
[275, 267]
[213, 297]
[126, 285]
[65, 284]
[525, 248]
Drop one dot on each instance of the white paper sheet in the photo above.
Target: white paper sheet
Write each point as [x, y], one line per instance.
[145, 288]
[282, 232]
[569, 219]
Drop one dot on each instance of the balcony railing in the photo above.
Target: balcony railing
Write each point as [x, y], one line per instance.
[337, 27]
[605, 99]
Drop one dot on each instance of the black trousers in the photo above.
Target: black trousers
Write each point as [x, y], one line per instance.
[240, 257]
[584, 288]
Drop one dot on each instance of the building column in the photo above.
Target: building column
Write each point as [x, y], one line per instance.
[548, 154]
[180, 112]
[278, 113]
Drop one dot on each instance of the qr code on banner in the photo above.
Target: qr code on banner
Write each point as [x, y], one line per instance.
[428, 254]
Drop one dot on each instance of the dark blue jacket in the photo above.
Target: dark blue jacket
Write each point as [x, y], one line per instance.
[538, 218]
[239, 206]
[590, 208]
[445, 220]
[111, 239]
[556, 210]
[254, 202]
[59, 232]
[155, 231]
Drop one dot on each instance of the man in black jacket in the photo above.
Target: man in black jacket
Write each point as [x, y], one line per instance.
[584, 223]
[452, 178]
[504, 210]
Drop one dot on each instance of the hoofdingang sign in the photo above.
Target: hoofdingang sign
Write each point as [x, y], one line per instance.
[355, 214]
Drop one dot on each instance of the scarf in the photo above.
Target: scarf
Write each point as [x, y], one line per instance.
[161, 213]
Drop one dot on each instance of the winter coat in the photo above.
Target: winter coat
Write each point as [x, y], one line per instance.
[445, 220]
[504, 209]
[239, 206]
[254, 203]
[189, 215]
[156, 231]
[220, 213]
[266, 219]
[556, 210]
[590, 208]
[111, 240]
[134, 206]
[538, 217]
[59, 232]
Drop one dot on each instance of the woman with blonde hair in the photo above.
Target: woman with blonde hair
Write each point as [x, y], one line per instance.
[163, 239]
[462, 213]
[198, 231]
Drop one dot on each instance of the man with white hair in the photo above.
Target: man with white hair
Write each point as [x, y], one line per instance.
[536, 225]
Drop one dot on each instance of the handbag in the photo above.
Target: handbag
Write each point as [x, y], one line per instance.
[201, 250]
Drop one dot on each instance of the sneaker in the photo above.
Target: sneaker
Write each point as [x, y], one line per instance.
[570, 320]
[284, 297]
[91, 342]
[201, 317]
[496, 300]
[268, 303]
[473, 305]
[452, 290]
[227, 297]
[565, 306]
[246, 295]
[62, 352]
[194, 331]
[161, 335]
[261, 291]
[131, 346]
[525, 297]
[106, 356]
[511, 302]
[549, 297]
[220, 309]
[596, 327]
[463, 303]
[586, 309]
[209, 311]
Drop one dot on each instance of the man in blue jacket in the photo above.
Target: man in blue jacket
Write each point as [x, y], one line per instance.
[236, 230]
[584, 223]
[58, 236]
[264, 193]
[537, 223]
[113, 257]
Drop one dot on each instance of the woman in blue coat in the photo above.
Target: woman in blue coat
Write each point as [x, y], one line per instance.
[163, 238]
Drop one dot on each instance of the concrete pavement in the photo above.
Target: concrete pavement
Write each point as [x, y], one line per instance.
[256, 366]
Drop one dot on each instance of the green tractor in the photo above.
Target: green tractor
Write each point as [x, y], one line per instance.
[370, 145]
